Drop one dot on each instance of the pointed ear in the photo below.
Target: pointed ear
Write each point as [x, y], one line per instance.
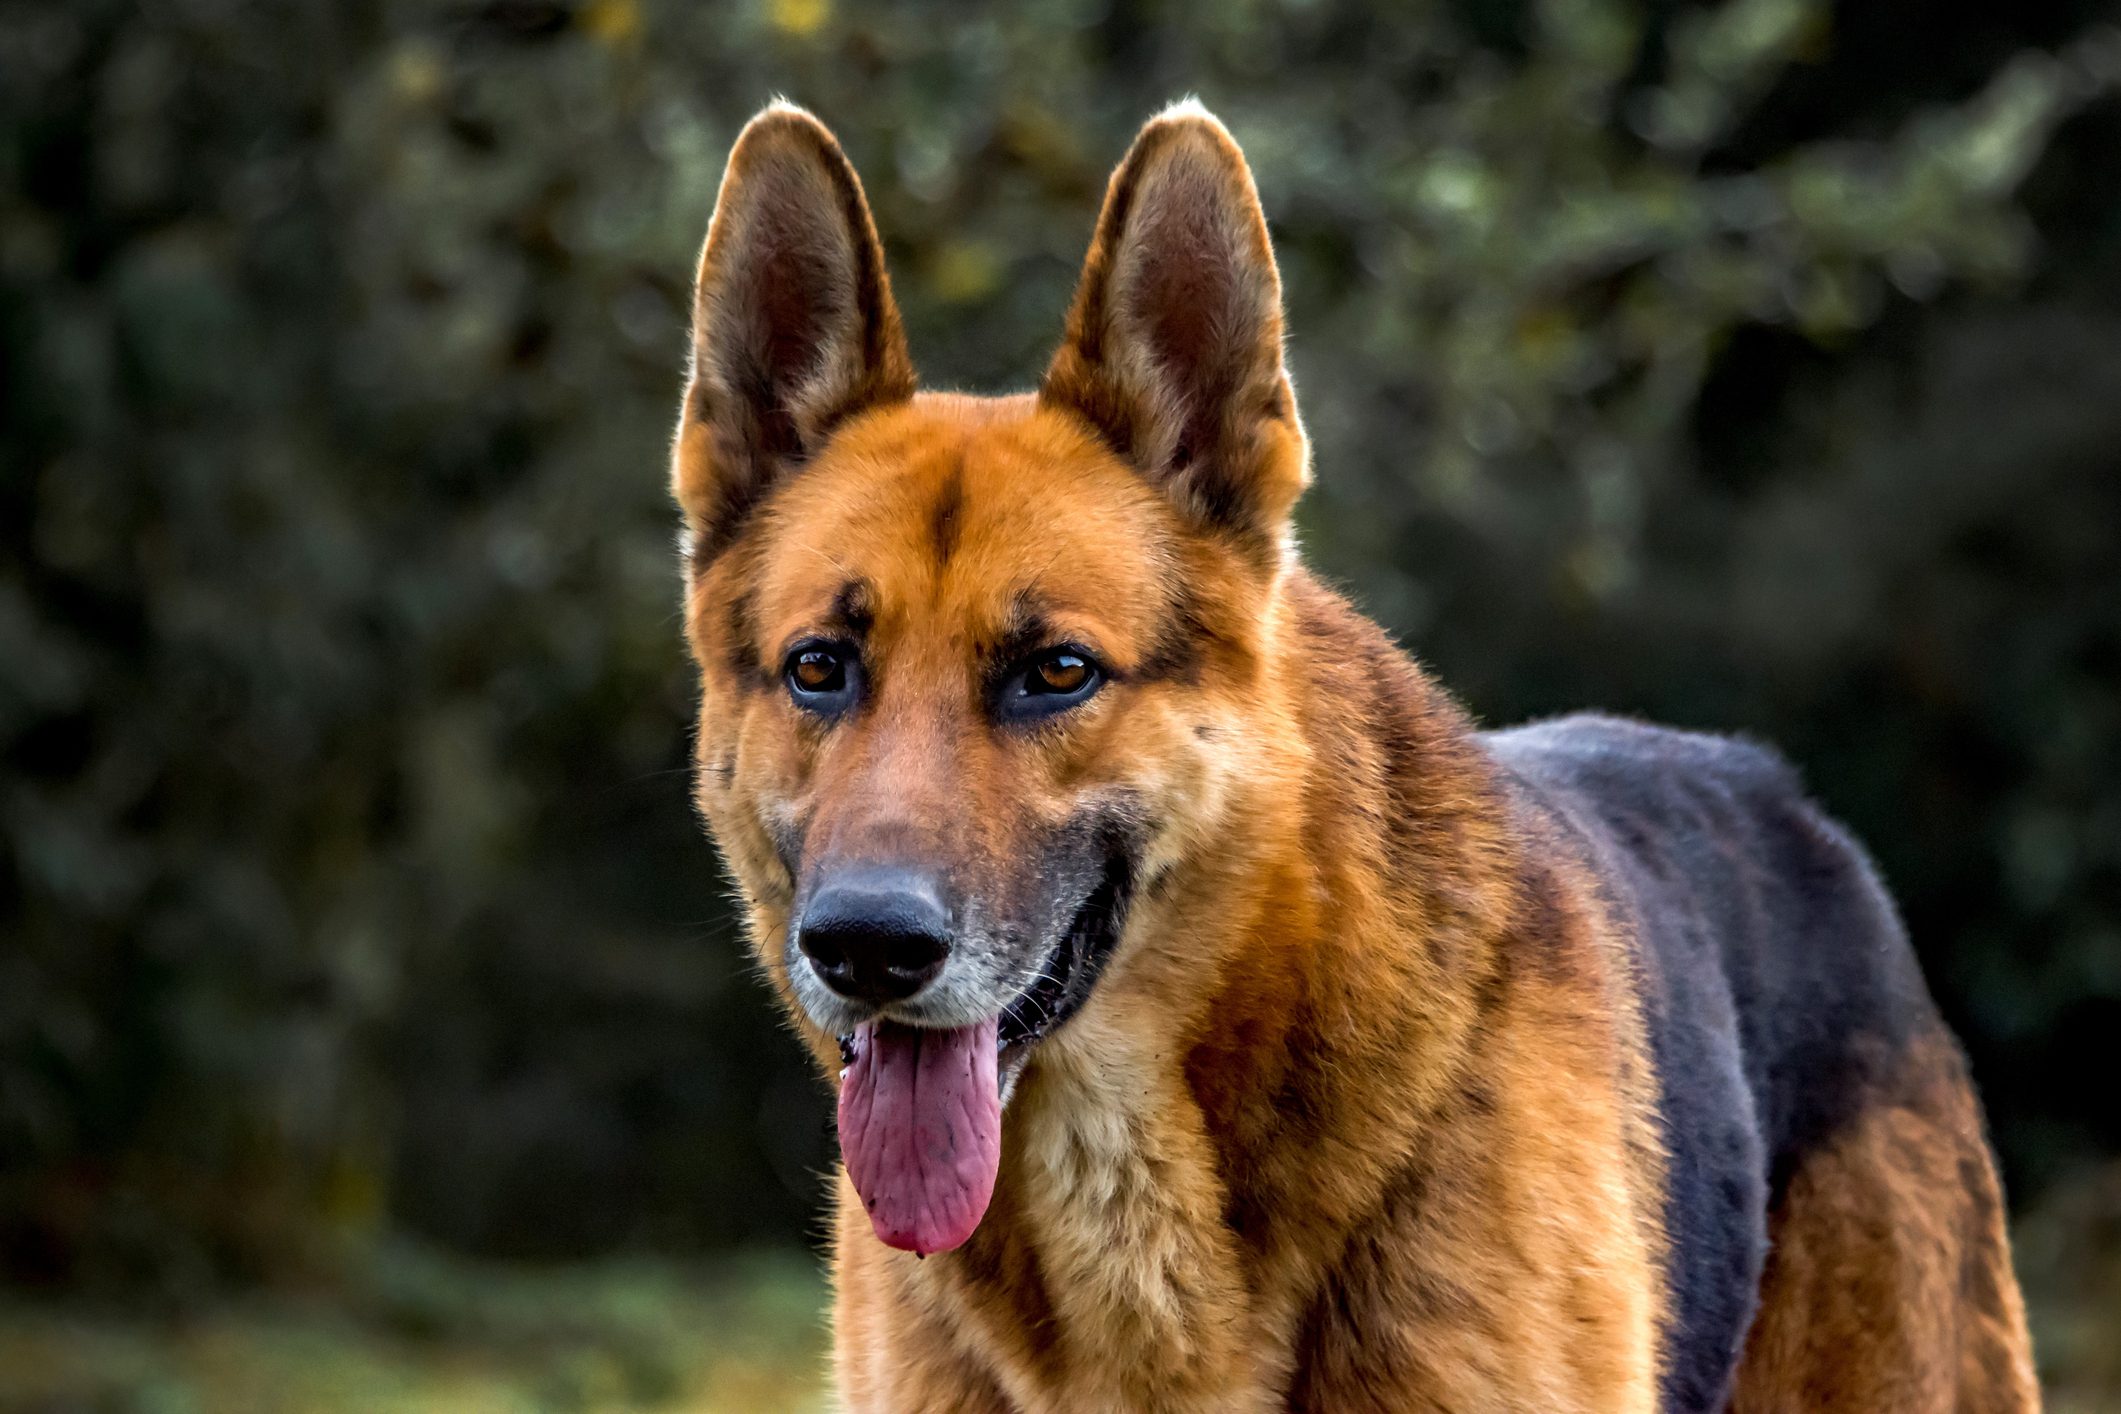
[1173, 349]
[793, 325]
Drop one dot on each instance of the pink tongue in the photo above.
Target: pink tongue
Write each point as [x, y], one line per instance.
[921, 1130]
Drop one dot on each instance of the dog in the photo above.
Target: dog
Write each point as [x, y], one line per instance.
[1219, 1020]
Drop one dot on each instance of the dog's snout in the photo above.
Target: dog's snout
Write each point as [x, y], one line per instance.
[877, 937]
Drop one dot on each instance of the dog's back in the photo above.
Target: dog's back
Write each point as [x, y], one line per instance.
[1808, 1090]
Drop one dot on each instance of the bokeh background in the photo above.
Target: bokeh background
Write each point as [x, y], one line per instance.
[373, 1029]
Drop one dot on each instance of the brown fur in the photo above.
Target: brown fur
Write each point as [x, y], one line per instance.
[1361, 1116]
[1928, 1297]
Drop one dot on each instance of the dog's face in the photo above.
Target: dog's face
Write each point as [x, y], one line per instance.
[974, 671]
[938, 700]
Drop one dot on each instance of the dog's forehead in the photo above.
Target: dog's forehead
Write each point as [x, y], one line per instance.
[932, 512]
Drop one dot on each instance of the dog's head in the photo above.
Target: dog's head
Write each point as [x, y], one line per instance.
[974, 672]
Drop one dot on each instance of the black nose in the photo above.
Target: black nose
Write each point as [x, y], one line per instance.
[878, 936]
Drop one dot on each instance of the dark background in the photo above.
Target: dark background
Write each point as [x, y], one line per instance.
[1751, 366]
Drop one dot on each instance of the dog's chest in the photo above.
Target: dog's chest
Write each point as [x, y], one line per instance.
[1117, 1252]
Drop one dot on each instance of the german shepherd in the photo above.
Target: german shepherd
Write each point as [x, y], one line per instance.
[1230, 1024]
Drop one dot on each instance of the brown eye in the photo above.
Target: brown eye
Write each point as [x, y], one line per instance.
[1059, 672]
[1048, 683]
[818, 678]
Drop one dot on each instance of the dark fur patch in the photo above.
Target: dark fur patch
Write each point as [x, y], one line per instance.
[740, 646]
[1095, 859]
[1181, 640]
[943, 520]
[853, 610]
[1024, 631]
[1775, 976]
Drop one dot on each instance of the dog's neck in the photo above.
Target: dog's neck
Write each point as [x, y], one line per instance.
[1233, 1100]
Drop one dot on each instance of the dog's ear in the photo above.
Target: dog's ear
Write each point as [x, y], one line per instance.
[1173, 348]
[793, 325]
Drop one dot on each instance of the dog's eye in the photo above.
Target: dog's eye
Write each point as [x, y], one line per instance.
[1058, 672]
[1051, 681]
[818, 671]
[819, 677]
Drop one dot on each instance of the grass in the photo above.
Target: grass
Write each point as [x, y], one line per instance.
[427, 1335]
[2068, 1255]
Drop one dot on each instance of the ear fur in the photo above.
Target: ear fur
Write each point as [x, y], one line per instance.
[794, 328]
[1173, 344]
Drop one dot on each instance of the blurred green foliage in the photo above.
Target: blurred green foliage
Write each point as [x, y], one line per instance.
[2069, 1257]
[422, 1335]
[1751, 365]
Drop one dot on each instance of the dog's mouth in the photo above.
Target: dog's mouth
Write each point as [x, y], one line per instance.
[920, 1107]
[1071, 970]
